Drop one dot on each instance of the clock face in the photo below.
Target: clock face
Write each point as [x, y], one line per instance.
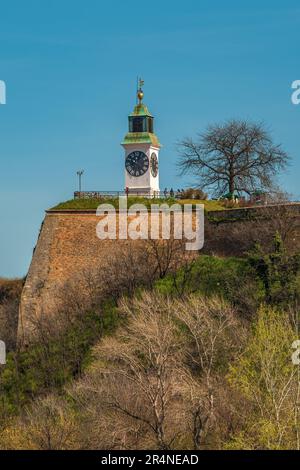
[137, 163]
[154, 165]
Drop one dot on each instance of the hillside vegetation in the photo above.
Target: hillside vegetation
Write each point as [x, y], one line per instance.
[152, 353]
[10, 293]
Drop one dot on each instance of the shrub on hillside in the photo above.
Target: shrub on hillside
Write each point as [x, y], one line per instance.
[10, 295]
[193, 193]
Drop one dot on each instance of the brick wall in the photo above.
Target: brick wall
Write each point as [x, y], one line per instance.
[68, 246]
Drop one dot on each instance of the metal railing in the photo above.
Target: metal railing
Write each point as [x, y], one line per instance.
[108, 194]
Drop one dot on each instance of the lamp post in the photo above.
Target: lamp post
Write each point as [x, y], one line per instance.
[79, 174]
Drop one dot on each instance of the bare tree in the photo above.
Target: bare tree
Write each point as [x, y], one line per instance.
[167, 256]
[48, 424]
[141, 373]
[211, 328]
[236, 156]
[155, 384]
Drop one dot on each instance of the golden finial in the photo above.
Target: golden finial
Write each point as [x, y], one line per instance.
[140, 93]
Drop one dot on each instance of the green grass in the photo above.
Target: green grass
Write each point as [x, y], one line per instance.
[50, 365]
[208, 275]
[230, 278]
[92, 204]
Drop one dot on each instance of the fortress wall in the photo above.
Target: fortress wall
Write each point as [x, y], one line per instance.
[67, 247]
[257, 212]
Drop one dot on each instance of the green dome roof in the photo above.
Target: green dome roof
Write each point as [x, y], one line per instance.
[141, 110]
[146, 136]
[141, 138]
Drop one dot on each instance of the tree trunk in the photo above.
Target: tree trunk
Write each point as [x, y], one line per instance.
[231, 184]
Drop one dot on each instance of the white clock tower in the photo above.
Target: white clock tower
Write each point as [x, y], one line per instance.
[141, 151]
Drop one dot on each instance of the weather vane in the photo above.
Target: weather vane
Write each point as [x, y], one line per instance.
[140, 93]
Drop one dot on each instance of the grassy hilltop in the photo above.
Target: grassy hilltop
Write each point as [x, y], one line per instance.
[92, 204]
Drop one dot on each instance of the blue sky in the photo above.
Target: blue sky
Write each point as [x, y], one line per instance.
[70, 69]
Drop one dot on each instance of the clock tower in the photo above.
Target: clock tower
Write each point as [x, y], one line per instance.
[141, 151]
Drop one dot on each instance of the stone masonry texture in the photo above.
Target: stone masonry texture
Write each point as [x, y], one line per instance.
[68, 246]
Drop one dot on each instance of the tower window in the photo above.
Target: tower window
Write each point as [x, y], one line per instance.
[150, 125]
[141, 124]
[138, 124]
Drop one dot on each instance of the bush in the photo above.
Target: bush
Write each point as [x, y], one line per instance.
[231, 278]
[191, 193]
